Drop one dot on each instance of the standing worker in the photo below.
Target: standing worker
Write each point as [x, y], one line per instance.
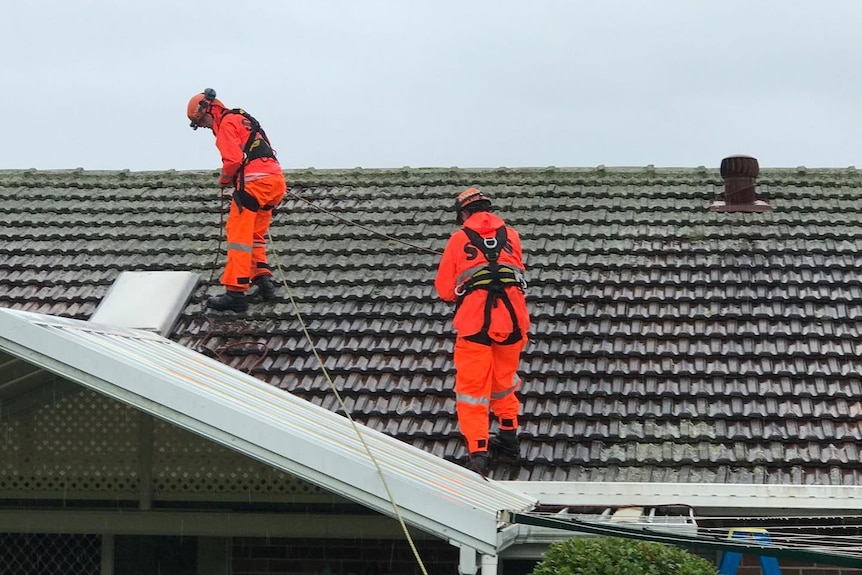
[482, 270]
[250, 169]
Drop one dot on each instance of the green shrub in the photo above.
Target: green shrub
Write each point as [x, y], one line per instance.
[617, 556]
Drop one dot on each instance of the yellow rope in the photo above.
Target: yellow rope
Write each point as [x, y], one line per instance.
[343, 406]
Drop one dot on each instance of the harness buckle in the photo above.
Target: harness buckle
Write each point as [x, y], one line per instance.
[522, 281]
[490, 243]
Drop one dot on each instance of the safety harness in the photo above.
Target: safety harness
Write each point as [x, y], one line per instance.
[257, 146]
[493, 278]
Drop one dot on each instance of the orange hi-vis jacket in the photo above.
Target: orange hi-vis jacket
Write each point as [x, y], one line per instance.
[461, 259]
[232, 131]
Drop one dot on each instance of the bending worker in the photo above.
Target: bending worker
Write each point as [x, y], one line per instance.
[250, 169]
[482, 270]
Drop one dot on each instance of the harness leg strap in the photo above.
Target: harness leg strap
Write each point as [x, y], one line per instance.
[246, 200]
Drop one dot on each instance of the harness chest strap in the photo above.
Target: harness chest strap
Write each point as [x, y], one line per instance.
[493, 278]
[493, 274]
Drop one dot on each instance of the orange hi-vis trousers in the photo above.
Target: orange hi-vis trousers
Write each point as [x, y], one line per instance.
[246, 229]
[486, 379]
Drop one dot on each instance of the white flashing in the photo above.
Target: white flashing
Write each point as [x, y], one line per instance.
[699, 495]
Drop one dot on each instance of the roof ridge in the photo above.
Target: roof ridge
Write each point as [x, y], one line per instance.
[435, 176]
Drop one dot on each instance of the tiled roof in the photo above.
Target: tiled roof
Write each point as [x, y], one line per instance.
[669, 343]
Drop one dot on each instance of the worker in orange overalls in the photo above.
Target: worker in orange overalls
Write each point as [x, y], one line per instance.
[482, 270]
[250, 169]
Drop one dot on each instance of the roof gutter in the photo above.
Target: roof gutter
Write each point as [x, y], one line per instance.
[747, 499]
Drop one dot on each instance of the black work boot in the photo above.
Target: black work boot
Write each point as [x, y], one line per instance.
[478, 462]
[504, 445]
[265, 287]
[228, 301]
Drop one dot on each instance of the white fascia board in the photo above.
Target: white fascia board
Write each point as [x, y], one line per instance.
[717, 496]
[243, 413]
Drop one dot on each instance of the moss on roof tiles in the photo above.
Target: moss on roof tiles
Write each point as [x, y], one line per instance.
[641, 298]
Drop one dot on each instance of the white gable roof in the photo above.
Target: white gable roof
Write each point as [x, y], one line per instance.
[200, 394]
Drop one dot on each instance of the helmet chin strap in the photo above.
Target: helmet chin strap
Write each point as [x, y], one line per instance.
[459, 214]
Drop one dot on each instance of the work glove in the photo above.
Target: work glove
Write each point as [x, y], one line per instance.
[224, 182]
[225, 188]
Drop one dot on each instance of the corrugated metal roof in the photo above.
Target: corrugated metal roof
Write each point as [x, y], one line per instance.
[188, 389]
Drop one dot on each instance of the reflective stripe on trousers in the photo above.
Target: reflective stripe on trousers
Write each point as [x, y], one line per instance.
[516, 383]
[240, 247]
[472, 399]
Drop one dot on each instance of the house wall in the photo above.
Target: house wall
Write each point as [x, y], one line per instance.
[79, 555]
[81, 445]
[750, 565]
[255, 556]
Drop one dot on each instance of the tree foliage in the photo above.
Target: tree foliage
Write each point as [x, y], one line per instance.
[618, 556]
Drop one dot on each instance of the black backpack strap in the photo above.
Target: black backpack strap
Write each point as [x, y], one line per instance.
[255, 147]
[490, 247]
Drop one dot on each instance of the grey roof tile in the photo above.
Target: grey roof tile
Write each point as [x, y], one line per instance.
[670, 343]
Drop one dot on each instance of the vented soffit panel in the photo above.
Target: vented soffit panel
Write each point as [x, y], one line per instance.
[167, 380]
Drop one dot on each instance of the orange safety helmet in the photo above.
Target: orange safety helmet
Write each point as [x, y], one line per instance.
[200, 104]
[470, 200]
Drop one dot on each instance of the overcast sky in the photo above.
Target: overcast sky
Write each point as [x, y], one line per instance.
[103, 84]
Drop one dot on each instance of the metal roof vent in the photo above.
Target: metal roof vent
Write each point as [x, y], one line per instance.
[146, 300]
[740, 176]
